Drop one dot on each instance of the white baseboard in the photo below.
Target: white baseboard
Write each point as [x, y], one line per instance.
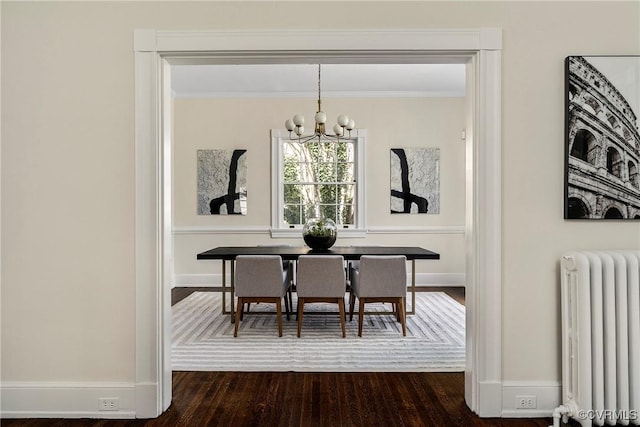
[65, 400]
[422, 279]
[81, 400]
[548, 396]
[489, 399]
[147, 400]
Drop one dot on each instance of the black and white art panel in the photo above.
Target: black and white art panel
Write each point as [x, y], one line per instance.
[222, 182]
[602, 159]
[415, 180]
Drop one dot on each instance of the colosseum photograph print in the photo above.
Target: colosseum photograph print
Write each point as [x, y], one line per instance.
[602, 161]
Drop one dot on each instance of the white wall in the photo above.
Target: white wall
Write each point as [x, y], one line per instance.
[390, 123]
[68, 166]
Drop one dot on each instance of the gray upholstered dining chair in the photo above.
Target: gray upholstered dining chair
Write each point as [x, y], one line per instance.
[286, 265]
[320, 278]
[261, 278]
[379, 279]
[354, 264]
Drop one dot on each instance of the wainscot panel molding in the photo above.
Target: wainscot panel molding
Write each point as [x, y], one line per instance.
[220, 230]
[422, 279]
[429, 229]
[66, 400]
[548, 396]
[351, 233]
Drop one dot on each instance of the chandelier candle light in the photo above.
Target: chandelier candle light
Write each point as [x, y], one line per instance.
[296, 125]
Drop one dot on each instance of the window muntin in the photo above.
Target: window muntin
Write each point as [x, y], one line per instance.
[319, 181]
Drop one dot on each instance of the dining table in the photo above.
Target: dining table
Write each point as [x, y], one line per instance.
[228, 254]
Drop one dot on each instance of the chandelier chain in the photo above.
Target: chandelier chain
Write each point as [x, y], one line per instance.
[296, 129]
[319, 98]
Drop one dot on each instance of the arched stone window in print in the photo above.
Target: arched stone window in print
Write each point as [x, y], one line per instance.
[614, 162]
[629, 138]
[573, 91]
[612, 121]
[633, 175]
[613, 213]
[593, 105]
[584, 146]
[577, 209]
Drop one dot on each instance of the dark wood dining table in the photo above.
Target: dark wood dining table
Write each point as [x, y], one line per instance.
[349, 253]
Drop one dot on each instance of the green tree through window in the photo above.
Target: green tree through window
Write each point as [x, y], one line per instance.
[319, 181]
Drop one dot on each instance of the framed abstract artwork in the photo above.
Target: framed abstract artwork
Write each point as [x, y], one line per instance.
[222, 182]
[415, 180]
[602, 143]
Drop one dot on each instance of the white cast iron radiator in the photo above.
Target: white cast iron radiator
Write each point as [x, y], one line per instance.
[600, 297]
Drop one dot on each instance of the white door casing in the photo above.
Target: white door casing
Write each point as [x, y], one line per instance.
[156, 51]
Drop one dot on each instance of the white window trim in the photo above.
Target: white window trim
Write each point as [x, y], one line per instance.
[278, 229]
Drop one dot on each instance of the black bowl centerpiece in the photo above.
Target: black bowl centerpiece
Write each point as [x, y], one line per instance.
[320, 233]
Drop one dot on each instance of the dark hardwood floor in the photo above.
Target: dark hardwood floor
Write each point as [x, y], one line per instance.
[309, 399]
[274, 399]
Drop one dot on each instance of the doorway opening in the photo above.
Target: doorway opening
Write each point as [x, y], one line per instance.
[219, 109]
[157, 51]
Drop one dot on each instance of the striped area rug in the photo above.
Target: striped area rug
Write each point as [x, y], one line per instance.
[202, 338]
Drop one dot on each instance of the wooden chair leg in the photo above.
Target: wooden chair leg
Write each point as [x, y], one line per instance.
[300, 314]
[342, 316]
[402, 315]
[279, 314]
[238, 316]
[242, 311]
[360, 316]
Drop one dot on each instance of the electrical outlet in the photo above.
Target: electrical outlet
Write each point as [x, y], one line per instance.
[109, 403]
[526, 402]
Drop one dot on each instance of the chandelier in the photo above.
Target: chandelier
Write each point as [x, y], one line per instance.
[295, 126]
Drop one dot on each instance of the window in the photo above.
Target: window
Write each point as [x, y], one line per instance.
[633, 175]
[577, 208]
[614, 162]
[593, 104]
[583, 146]
[317, 179]
[613, 213]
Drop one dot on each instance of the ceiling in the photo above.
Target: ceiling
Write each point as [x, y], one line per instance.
[301, 80]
